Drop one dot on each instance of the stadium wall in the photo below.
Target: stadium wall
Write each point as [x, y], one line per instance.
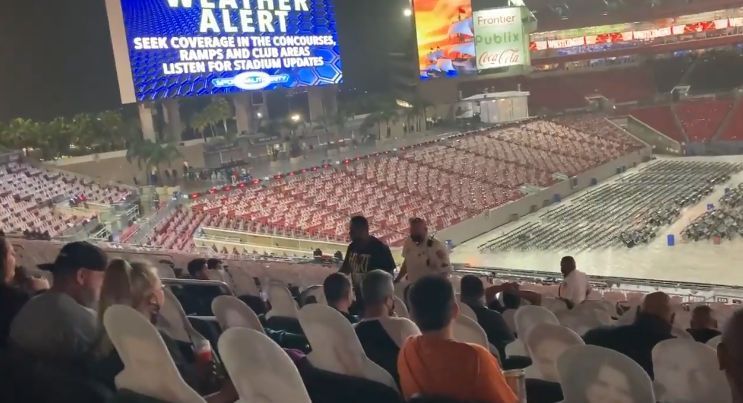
[113, 166]
[661, 143]
[489, 220]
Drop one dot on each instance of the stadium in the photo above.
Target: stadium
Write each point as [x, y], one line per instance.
[278, 201]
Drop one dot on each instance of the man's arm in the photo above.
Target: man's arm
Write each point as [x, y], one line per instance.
[346, 266]
[403, 272]
[388, 262]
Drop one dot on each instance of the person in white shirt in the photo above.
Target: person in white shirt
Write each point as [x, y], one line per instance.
[574, 288]
[423, 255]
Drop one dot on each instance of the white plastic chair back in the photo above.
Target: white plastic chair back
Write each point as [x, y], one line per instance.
[335, 346]
[282, 302]
[261, 371]
[401, 309]
[509, 317]
[400, 288]
[244, 283]
[173, 321]
[554, 305]
[681, 333]
[148, 368]
[165, 271]
[592, 374]
[527, 317]
[231, 312]
[465, 310]
[714, 342]
[579, 321]
[467, 330]
[687, 371]
[214, 275]
[546, 343]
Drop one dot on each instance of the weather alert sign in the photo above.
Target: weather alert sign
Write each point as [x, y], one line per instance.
[500, 40]
[183, 48]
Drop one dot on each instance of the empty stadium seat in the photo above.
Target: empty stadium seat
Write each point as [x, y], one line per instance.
[231, 312]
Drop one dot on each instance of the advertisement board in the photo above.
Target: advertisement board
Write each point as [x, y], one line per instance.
[500, 40]
[445, 38]
[184, 48]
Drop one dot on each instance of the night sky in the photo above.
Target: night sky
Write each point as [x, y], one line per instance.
[56, 57]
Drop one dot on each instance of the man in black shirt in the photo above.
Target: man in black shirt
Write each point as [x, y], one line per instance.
[365, 253]
[473, 294]
[703, 324]
[652, 325]
[337, 289]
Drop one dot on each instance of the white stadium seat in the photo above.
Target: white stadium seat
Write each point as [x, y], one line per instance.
[687, 371]
[231, 312]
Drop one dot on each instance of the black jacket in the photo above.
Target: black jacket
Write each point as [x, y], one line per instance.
[496, 328]
[703, 335]
[636, 341]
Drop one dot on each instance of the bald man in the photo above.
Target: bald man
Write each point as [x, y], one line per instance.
[651, 326]
[730, 355]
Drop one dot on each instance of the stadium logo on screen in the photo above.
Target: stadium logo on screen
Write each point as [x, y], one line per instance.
[251, 80]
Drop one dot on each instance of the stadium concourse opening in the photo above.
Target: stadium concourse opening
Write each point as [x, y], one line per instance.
[289, 202]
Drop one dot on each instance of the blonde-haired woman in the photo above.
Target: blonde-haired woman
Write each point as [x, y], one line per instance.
[138, 286]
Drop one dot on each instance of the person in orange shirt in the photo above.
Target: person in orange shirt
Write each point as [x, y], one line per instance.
[434, 365]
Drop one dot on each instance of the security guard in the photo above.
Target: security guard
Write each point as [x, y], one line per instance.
[423, 254]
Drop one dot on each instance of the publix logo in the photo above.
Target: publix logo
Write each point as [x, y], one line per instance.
[251, 80]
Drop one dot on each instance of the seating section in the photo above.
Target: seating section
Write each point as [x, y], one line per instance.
[562, 92]
[29, 195]
[734, 130]
[444, 182]
[701, 119]
[662, 119]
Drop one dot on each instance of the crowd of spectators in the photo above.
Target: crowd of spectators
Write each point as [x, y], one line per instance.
[56, 343]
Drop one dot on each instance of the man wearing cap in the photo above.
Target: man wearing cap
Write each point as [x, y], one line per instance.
[60, 324]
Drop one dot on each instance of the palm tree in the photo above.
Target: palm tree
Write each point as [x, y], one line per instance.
[152, 154]
[21, 133]
[221, 110]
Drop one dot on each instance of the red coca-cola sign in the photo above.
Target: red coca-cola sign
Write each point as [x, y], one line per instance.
[505, 57]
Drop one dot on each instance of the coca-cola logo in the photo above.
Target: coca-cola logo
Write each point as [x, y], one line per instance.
[506, 57]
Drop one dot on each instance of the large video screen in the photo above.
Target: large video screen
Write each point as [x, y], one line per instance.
[184, 48]
[446, 40]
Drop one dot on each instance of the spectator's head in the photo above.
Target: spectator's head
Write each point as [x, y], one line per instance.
[78, 272]
[418, 230]
[214, 264]
[432, 304]
[378, 290]
[7, 261]
[317, 253]
[730, 354]
[702, 317]
[135, 285]
[337, 288]
[567, 265]
[472, 288]
[511, 300]
[658, 304]
[197, 269]
[359, 229]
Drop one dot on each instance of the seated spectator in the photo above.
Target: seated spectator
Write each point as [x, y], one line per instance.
[214, 264]
[12, 296]
[730, 355]
[433, 364]
[138, 286]
[652, 325]
[473, 294]
[703, 324]
[574, 287]
[60, 324]
[337, 288]
[197, 269]
[380, 332]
